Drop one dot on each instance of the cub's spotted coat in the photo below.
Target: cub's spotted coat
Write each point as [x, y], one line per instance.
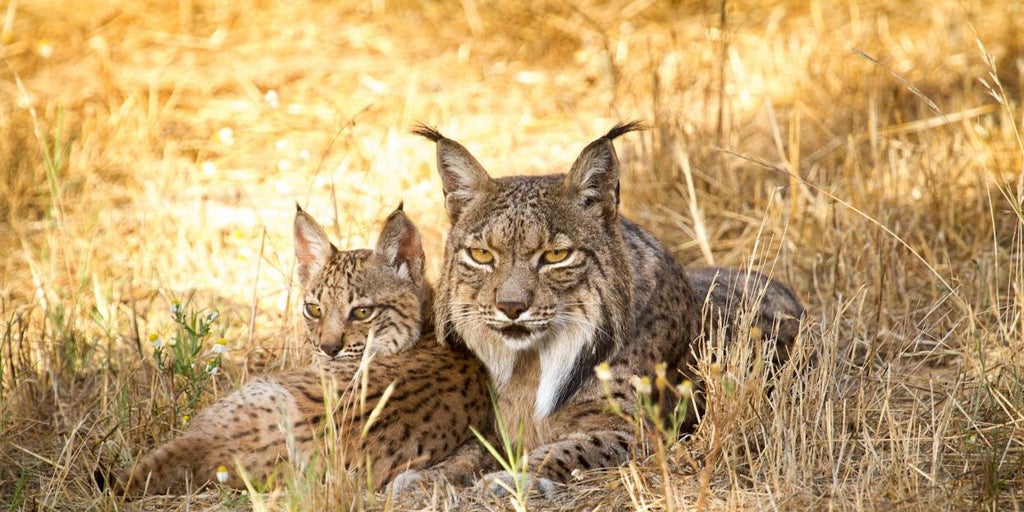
[353, 298]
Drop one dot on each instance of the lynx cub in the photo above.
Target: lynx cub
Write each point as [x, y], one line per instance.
[353, 298]
[543, 280]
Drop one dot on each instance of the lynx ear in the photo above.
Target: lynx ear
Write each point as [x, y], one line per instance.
[400, 244]
[593, 179]
[312, 248]
[462, 176]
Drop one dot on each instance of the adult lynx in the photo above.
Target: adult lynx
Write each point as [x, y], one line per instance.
[543, 280]
[353, 298]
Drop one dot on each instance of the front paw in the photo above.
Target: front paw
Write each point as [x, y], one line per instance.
[503, 483]
[407, 481]
[411, 480]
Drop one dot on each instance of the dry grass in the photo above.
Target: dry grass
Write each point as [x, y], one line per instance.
[867, 153]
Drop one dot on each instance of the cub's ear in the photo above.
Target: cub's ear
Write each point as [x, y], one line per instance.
[593, 180]
[462, 176]
[312, 248]
[400, 244]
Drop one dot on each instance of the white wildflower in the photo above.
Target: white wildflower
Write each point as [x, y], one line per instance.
[641, 384]
[222, 474]
[220, 347]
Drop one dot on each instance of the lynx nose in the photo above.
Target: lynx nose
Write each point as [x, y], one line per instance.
[331, 349]
[512, 309]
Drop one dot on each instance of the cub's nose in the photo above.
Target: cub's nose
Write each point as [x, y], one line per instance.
[331, 349]
[512, 309]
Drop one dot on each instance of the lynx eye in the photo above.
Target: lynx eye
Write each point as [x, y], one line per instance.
[312, 311]
[555, 256]
[481, 256]
[361, 313]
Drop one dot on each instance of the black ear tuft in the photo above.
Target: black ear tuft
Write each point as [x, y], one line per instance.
[429, 132]
[464, 179]
[593, 180]
[624, 128]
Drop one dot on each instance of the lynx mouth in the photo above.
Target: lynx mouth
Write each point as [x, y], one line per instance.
[516, 332]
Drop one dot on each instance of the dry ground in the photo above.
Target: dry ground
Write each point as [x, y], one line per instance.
[865, 151]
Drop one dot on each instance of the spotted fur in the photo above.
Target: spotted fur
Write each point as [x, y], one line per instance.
[543, 280]
[438, 394]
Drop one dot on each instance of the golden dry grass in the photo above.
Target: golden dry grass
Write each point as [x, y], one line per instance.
[866, 152]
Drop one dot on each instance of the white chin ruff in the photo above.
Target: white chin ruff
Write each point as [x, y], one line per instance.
[557, 352]
[490, 347]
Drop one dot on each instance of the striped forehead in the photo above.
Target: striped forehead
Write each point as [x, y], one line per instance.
[345, 273]
[518, 217]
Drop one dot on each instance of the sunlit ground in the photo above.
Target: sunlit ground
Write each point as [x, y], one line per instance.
[866, 152]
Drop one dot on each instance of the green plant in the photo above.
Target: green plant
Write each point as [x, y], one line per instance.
[180, 358]
[56, 151]
[74, 348]
[511, 457]
[17, 500]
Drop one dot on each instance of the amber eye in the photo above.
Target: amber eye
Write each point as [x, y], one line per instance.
[556, 256]
[361, 313]
[481, 256]
[312, 311]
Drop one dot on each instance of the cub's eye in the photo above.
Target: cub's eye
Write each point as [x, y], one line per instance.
[361, 313]
[312, 311]
[556, 256]
[481, 256]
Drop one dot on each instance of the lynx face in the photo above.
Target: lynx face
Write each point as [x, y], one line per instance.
[531, 265]
[361, 297]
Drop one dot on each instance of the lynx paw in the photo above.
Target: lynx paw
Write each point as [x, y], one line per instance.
[411, 480]
[503, 483]
[406, 481]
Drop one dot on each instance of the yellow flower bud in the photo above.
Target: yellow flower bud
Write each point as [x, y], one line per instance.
[660, 369]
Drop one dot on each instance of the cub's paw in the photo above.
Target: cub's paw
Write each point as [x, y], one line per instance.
[503, 483]
[410, 481]
[405, 482]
